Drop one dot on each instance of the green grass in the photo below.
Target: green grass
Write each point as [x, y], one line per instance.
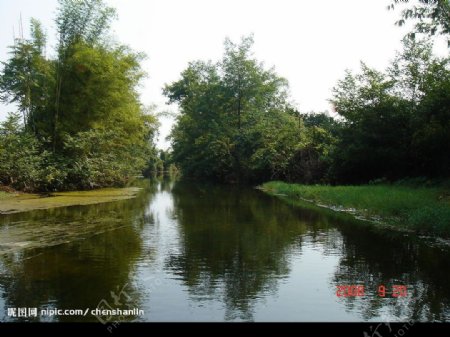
[422, 209]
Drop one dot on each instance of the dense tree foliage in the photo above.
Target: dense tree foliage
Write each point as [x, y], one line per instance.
[236, 123]
[395, 124]
[80, 123]
[81, 114]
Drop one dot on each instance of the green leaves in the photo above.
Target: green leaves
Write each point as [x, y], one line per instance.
[84, 20]
[26, 76]
[20, 163]
[234, 123]
[83, 124]
[396, 122]
[432, 16]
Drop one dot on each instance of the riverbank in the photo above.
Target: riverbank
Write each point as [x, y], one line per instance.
[24, 202]
[421, 209]
[3, 195]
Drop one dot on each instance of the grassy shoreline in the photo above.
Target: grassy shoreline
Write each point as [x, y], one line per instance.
[424, 210]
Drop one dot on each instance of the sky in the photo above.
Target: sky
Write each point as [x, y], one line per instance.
[310, 43]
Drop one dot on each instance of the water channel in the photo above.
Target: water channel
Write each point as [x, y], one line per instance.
[184, 251]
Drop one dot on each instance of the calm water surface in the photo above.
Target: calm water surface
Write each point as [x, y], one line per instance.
[191, 252]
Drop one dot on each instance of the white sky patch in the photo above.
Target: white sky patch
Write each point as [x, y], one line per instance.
[310, 43]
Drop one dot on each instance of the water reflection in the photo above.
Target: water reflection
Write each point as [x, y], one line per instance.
[197, 252]
[236, 244]
[90, 253]
[373, 259]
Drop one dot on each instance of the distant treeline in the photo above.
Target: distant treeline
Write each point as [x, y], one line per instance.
[237, 124]
[80, 123]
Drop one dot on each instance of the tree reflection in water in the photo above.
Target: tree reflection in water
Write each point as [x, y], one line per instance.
[237, 245]
[81, 270]
[238, 251]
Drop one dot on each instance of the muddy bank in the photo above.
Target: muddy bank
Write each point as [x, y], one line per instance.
[24, 202]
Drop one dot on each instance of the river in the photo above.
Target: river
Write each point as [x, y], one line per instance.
[184, 251]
